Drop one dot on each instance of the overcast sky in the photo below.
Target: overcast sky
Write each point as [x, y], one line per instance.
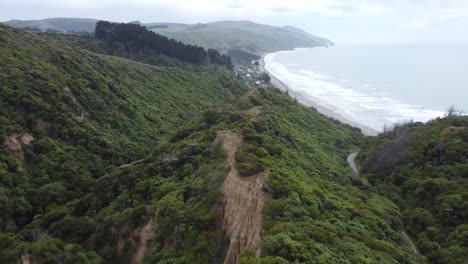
[340, 20]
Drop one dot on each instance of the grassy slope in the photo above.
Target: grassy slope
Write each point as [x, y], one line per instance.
[424, 169]
[61, 24]
[99, 112]
[244, 35]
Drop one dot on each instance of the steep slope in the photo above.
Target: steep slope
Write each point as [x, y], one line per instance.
[68, 116]
[423, 168]
[287, 157]
[243, 201]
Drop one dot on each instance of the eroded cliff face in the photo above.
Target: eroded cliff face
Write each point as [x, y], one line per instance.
[243, 200]
[24, 259]
[146, 236]
[14, 142]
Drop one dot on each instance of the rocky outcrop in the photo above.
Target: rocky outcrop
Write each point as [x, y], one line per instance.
[243, 200]
[14, 144]
[24, 259]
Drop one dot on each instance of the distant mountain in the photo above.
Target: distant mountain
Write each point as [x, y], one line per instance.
[225, 36]
[57, 24]
[241, 35]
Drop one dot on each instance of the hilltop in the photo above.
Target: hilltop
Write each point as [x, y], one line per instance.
[82, 25]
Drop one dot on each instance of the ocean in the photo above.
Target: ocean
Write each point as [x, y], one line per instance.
[377, 85]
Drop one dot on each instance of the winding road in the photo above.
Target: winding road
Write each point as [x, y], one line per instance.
[410, 243]
[351, 162]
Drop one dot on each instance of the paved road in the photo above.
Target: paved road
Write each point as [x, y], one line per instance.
[408, 240]
[351, 162]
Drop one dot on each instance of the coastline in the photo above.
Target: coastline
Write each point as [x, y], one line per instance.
[311, 103]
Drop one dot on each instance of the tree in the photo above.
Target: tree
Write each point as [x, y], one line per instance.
[453, 111]
[418, 220]
[136, 38]
[265, 77]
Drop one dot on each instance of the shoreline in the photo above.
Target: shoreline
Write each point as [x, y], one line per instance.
[311, 103]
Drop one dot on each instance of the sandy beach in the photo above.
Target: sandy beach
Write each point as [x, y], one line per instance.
[304, 100]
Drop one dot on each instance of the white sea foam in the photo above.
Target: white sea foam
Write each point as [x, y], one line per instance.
[367, 108]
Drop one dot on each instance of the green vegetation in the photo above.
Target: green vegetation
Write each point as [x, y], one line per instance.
[133, 38]
[119, 49]
[245, 36]
[77, 25]
[315, 214]
[68, 117]
[423, 168]
[71, 117]
[242, 40]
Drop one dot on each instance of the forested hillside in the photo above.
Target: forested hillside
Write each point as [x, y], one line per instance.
[78, 25]
[423, 168]
[108, 160]
[136, 38]
[68, 117]
[135, 42]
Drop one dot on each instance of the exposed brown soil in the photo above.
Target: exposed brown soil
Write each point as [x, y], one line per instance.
[130, 245]
[243, 200]
[146, 235]
[44, 126]
[14, 142]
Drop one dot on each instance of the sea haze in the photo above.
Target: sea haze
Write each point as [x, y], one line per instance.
[377, 85]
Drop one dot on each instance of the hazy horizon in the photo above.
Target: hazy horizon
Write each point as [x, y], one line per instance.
[357, 21]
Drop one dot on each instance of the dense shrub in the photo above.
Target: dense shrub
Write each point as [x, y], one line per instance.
[422, 168]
